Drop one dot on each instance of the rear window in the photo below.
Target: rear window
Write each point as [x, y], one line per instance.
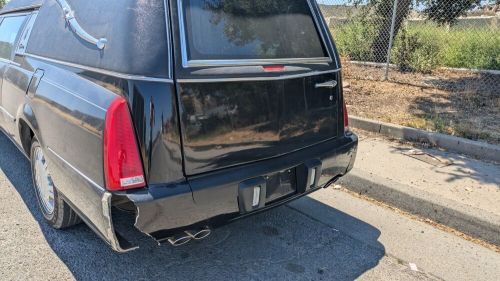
[250, 30]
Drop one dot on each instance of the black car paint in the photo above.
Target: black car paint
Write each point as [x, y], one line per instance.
[166, 210]
[69, 122]
[242, 122]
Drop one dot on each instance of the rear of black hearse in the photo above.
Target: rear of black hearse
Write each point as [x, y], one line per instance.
[190, 113]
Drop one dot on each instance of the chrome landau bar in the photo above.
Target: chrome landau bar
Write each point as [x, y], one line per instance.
[69, 16]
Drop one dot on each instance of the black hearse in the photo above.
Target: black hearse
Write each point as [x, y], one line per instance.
[188, 113]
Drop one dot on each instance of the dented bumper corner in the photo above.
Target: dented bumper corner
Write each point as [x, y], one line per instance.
[114, 239]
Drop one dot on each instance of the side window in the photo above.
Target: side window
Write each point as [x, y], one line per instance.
[23, 41]
[9, 30]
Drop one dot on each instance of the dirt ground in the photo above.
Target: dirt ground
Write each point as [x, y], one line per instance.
[463, 104]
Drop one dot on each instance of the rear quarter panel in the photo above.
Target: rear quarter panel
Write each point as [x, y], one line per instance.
[70, 113]
[67, 115]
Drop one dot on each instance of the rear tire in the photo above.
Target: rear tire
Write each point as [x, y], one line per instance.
[57, 212]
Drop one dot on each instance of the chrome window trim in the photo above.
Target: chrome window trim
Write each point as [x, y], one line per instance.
[102, 71]
[166, 4]
[26, 33]
[76, 170]
[186, 63]
[182, 34]
[17, 14]
[257, 62]
[20, 9]
[271, 78]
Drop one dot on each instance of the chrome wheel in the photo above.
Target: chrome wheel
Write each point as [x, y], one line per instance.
[43, 181]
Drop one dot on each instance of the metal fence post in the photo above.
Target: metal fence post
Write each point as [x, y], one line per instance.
[391, 39]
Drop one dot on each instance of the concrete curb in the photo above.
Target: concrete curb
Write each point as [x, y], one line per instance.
[466, 219]
[468, 70]
[460, 145]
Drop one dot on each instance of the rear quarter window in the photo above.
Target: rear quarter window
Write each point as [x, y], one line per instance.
[9, 30]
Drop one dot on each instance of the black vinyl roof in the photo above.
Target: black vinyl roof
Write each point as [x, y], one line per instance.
[136, 33]
[135, 30]
[19, 5]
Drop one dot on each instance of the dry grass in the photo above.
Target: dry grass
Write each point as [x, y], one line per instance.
[460, 104]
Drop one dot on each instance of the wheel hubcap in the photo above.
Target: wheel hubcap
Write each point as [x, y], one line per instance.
[43, 182]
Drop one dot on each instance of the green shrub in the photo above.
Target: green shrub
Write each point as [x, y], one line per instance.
[355, 39]
[423, 46]
[472, 48]
[416, 52]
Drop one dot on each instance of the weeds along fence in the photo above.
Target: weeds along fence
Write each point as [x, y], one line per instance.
[448, 44]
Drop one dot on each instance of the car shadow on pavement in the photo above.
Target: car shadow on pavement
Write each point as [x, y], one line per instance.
[282, 244]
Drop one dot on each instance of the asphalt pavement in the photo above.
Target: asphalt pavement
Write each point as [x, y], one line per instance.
[328, 236]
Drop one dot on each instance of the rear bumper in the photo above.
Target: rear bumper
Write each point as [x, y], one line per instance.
[216, 198]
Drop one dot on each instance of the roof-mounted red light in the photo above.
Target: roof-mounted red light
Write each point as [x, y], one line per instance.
[122, 161]
[274, 68]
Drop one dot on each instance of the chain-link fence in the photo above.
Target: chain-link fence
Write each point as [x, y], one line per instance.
[417, 36]
[448, 46]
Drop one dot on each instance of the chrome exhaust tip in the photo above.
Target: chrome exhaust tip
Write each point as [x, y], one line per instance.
[189, 235]
[199, 234]
[179, 240]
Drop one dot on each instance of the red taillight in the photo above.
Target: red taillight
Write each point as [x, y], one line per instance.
[122, 162]
[346, 119]
[274, 68]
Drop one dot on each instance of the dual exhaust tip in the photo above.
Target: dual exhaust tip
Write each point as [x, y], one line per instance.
[189, 235]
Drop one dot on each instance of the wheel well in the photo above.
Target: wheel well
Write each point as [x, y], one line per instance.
[26, 135]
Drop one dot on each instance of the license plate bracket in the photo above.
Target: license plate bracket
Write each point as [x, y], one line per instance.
[281, 184]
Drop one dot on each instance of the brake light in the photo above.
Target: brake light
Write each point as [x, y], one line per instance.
[122, 162]
[274, 68]
[346, 119]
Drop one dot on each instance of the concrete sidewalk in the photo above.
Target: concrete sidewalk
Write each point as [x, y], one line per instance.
[448, 188]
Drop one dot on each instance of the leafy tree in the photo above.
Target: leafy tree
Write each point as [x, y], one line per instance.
[383, 18]
[440, 11]
[2, 3]
[446, 12]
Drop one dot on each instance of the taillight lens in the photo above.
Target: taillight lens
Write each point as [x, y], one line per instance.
[122, 162]
[346, 119]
